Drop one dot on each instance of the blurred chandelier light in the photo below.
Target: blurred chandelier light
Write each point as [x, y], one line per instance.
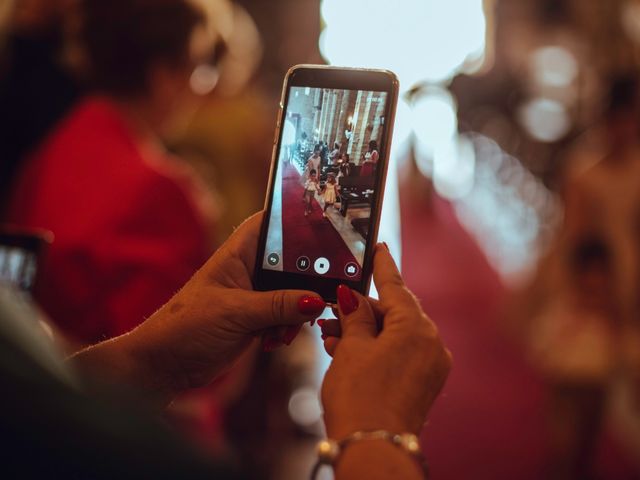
[426, 43]
[544, 119]
[630, 20]
[554, 66]
[434, 119]
[229, 25]
[204, 79]
[508, 210]
[420, 40]
[304, 407]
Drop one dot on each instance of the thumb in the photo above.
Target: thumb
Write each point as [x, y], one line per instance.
[356, 316]
[261, 310]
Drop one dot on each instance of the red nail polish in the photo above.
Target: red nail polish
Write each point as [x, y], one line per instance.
[312, 322]
[323, 337]
[290, 334]
[311, 305]
[321, 322]
[347, 300]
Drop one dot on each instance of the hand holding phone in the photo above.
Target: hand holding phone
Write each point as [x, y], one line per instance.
[331, 149]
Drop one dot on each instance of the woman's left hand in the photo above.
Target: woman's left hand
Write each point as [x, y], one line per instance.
[208, 324]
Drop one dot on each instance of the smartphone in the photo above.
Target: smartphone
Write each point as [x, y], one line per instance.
[326, 185]
[20, 251]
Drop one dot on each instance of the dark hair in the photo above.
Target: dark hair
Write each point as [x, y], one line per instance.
[124, 38]
[313, 171]
[623, 94]
[373, 145]
[589, 252]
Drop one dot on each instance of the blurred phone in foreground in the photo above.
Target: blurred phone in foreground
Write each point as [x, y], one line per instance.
[20, 251]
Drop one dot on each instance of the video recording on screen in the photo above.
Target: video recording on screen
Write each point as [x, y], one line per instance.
[325, 182]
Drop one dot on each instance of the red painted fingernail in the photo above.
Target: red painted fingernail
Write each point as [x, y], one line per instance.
[312, 322]
[321, 322]
[386, 246]
[323, 336]
[347, 300]
[291, 333]
[311, 305]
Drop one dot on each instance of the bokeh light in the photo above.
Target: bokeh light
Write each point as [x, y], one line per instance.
[304, 407]
[544, 119]
[554, 66]
[421, 40]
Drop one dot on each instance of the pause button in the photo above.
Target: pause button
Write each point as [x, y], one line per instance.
[303, 263]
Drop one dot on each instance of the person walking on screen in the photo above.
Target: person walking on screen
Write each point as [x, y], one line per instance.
[330, 193]
[311, 186]
[313, 163]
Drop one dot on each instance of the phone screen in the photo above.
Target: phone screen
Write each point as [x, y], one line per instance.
[324, 186]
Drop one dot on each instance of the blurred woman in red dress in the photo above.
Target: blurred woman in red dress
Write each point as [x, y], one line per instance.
[131, 224]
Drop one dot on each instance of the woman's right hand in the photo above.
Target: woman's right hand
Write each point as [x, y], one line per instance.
[382, 380]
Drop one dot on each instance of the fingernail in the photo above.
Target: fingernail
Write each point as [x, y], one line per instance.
[290, 334]
[323, 336]
[347, 300]
[386, 246]
[308, 305]
[312, 322]
[321, 323]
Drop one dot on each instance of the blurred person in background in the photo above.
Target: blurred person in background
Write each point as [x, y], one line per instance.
[574, 346]
[130, 223]
[36, 86]
[228, 139]
[584, 335]
[605, 198]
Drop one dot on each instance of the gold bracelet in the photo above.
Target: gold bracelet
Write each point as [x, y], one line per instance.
[330, 450]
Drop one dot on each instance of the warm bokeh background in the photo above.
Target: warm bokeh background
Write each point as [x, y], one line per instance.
[513, 190]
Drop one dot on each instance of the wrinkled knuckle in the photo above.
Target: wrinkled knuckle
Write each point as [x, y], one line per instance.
[417, 341]
[396, 279]
[429, 334]
[278, 309]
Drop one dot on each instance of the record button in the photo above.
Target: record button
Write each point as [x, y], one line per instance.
[321, 266]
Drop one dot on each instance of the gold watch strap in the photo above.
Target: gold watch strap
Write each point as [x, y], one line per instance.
[330, 450]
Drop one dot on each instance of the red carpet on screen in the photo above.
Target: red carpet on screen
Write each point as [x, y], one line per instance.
[313, 236]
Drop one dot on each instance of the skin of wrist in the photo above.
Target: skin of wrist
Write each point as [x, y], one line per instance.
[127, 360]
[149, 364]
[338, 429]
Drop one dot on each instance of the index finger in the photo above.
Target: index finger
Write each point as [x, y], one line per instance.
[387, 278]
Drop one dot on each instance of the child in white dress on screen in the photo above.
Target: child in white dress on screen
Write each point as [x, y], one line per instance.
[311, 186]
[330, 192]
